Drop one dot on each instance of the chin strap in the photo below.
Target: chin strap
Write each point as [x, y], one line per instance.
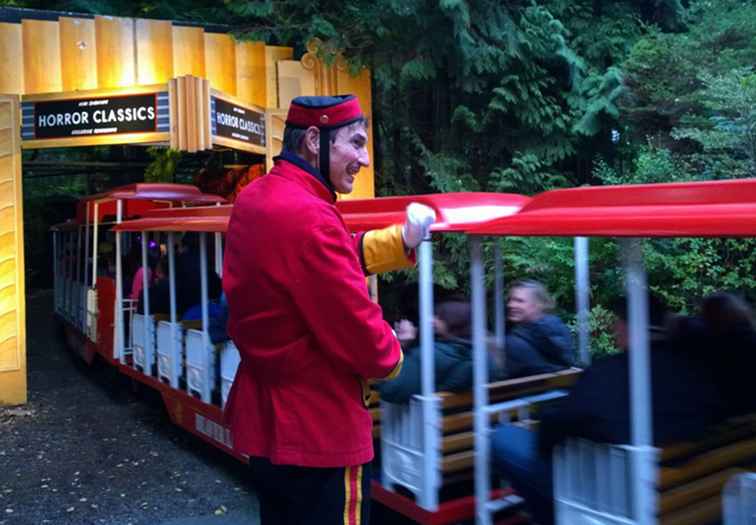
[325, 158]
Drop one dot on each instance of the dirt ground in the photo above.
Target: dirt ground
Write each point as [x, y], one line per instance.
[88, 449]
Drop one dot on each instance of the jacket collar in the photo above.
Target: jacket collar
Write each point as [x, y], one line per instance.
[311, 177]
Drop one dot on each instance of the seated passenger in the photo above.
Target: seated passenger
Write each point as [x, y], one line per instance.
[536, 342]
[726, 324]
[134, 271]
[685, 403]
[188, 281]
[217, 312]
[452, 355]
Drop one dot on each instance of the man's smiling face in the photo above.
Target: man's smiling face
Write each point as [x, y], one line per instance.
[348, 155]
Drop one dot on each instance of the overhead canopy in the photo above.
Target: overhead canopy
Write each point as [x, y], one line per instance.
[140, 198]
[67, 226]
[455, 212]
[194, 219]
[156, 191]
[694, 209]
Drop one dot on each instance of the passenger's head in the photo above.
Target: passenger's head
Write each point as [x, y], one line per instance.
[453, 319]
[161, 268]
[528, 301]
[190, 242]
[725, 312]
[657, 318]
[330, 133]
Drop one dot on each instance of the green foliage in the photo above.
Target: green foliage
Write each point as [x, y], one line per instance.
[600, 328]
[652, 164]
[600, 95]
[163, 166]
[522, 96]
[729, 132]
[525, 175]
[690, 106]
[549, 260]
[682, 271]
[46, 201]
[665, 73]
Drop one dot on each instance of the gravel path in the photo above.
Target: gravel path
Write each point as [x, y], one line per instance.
[87, 449]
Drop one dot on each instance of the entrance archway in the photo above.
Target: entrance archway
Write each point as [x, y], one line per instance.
[50, 58]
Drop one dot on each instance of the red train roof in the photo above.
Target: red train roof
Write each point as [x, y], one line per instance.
[138, 199]
[691, 209]
[455, 212]
[196, 219]
[157, 192]
[695, 209]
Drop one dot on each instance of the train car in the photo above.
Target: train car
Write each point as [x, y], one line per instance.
[419, 479]
[634, 483]
[193, 374]
[439, 437]
[85, 287]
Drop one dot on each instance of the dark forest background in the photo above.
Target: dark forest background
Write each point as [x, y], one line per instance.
[490, 95]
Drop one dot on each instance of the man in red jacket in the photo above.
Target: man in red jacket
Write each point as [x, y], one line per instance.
[308, 334]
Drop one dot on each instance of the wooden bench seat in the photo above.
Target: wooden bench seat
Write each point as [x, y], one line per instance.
[692, 475]
[458, 438]
[404, 446]
[689, 476]
[458, 415]
[513, 388]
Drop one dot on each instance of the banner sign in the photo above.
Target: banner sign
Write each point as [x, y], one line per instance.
[101, 115]
[236, 122]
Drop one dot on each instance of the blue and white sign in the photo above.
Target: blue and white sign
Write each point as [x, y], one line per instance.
[102, 115]
[236, 122]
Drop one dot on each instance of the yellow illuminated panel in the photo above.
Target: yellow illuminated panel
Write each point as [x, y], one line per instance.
[12, 303]
[115, 51]
[78, 53]
[41, 56]
[11, 58]
[154, 41]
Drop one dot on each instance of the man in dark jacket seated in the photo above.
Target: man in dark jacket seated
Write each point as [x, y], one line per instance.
[452, 355]
[537, 342]
[725, 324]
[188, 281]
[685, 399]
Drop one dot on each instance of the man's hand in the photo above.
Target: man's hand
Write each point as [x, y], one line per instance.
[418, 223]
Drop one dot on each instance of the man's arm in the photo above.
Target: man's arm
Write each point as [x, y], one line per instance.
[596, 408]
[393, 248]
[383, 250]
[334, 303]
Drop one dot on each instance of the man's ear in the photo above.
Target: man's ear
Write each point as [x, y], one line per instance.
[312, 140]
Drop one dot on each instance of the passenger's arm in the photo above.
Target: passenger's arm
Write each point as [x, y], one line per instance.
[458, 378]
[406, 384]
[596, 398]
[560, 347]
[334, 303]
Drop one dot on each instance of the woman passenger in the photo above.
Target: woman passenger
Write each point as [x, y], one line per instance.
[452, 355]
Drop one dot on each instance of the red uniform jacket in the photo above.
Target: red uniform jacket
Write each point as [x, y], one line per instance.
[304, 325]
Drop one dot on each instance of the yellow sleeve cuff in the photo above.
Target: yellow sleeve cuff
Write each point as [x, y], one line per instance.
[383, 250]
[397, 368]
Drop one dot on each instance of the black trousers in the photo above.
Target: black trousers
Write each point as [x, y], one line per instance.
[292, 495]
